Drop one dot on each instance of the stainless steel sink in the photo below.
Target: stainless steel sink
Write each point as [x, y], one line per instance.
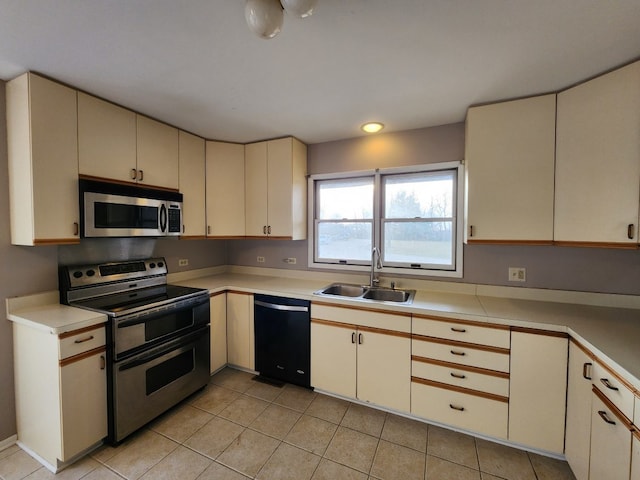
[368, 294]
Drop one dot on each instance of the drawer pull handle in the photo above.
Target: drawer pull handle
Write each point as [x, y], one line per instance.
[458, 375]
[76, 229]
[279, 367]
[458, 330]
[353, 337]
[603, 415]
[82, 340]
[585, 367]
[454, 352]
[264, 229]
[607, 384]
[630, 231]
[103, 362]
[134, 173]
[359, 339]
[455, 407]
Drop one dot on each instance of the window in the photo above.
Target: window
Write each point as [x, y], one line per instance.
[410, 214]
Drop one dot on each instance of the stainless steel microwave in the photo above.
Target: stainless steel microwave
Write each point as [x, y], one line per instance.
[120, 210]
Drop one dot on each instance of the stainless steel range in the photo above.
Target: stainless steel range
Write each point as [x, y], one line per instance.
[157, 336]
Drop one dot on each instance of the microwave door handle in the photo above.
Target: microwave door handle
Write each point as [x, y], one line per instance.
[163, 218]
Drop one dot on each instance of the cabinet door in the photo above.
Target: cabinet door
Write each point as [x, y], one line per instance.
[333, 358]
[157, 147]
[384, 369]
[240, 341]
[610, 444]
[83, 386]
[218, 321]
[597, 151]
[255, 162]
[43, 161]
[510, 156]
[538, 390]
[192, 184]
[635, 458]
[578, 431]
[279, 181]
[106, 139]
[225, 190]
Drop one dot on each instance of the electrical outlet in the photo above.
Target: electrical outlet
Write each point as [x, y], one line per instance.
[183, 262]
[517, 274]
[291, 260]
[260, 259]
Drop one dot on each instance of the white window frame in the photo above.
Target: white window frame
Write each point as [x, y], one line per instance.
[458, 220]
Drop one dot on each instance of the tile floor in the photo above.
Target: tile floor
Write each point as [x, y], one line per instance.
[237, 428]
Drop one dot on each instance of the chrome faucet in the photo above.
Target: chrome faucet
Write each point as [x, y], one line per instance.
[373, 281]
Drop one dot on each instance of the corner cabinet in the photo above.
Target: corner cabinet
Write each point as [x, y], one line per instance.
[509, 164]
[597, 167]
[225, 190]
[276, 189]
[68, 370]
[240, 330]
[42, 140]
[218, 321]
[191, 166]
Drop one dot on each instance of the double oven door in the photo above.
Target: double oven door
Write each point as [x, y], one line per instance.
[160, 357]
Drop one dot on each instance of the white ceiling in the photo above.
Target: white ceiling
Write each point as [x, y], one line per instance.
[407, 63]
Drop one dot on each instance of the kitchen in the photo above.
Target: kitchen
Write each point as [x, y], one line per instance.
[31, 270]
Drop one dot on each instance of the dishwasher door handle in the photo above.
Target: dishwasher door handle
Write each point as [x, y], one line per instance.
[286, 308]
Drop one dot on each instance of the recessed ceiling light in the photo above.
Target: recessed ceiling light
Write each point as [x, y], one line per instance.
[372, 127]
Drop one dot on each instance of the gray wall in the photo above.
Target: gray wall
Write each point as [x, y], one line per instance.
[563, 268]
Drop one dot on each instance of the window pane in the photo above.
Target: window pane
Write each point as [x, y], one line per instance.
[350, 198]
[424, 243]
[344, 240]
[422, 195]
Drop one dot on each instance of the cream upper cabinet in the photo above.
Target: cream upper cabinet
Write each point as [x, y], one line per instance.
[538, 390]
[225, 189]
[192, 184]
[275, 189]
[509, 163]
[106, 139]
[598, 160]
[157, 150]
[43, 161]
[218, 323]
[578, 429]
[240, 330]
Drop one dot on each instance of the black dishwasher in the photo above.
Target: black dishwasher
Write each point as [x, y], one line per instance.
[283, 339]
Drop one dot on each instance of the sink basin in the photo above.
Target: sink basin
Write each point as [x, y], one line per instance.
[343, 290]
[387, 295]
[369, 294]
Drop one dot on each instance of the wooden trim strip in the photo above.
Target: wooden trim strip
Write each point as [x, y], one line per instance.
[466, 368]
[619, 245]
[366, 309]
[584, 349]
[462, 322]
[56, 241]
[331, 323]
[475, 346]
[537, 331]
[621, 416]
[384, 331]
[73, 333]
[192, 237]
[454, 388]
[636, 433]
[237, 292]
[265, 237]
[217, 294]
[476, 241]
[123, 182]
[224, 237]
[81, 356]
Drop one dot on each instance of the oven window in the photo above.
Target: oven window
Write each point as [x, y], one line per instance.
[167, 324]
[119, 215]
[169, 371]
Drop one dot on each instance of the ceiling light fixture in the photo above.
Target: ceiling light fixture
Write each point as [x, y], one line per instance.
[265, 17]
[372, 127]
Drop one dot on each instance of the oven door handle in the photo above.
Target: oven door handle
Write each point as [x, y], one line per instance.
[164, 349]
[146, 318]
[163, 218]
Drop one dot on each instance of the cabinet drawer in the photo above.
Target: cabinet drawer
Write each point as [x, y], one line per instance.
[462, 354]
[458, 409]
[612, 388]
[80, 341]
[498, 385]
[362, 317]
[462, 332]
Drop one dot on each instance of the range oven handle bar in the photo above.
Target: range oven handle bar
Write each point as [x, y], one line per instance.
[172, 307]
[164, 349]
[286, 308]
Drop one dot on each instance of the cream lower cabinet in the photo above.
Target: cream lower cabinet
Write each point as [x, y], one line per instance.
[538, 389]
[218, 324]
[42, 141]
[68, 373]
[191, 165]
[240, 330]
[366, 358]
[578, 428]
[635, 457]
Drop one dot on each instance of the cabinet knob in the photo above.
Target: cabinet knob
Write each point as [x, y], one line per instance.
[458, 375]
[458, 330]
[82, 340]
[134, 173]
[631, 231]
